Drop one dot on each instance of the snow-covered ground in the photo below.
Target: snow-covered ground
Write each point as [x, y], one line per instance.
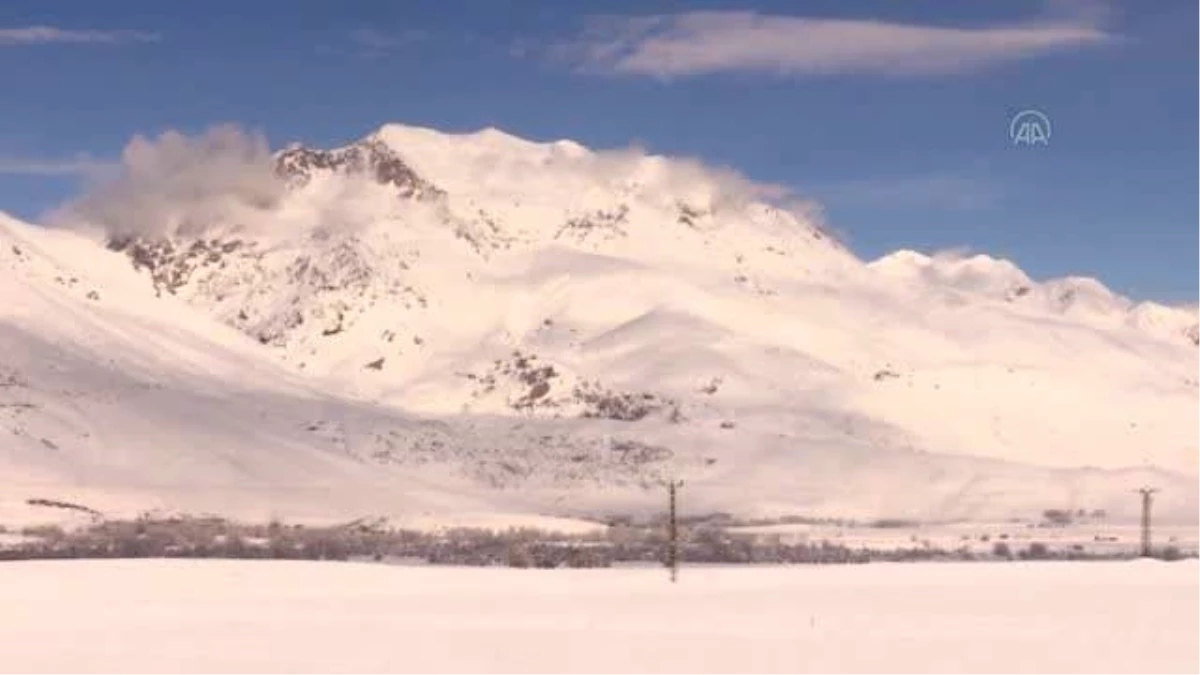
[224, 616]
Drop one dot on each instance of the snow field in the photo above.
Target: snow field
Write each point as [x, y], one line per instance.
[224, 616]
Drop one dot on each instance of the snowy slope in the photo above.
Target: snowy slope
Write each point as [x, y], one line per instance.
[123, 402]
[578, 323]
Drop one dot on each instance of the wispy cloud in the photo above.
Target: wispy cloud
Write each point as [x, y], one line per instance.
[80, 165]
[704, 42]
[40, 35]
[369, 37]
[371, 42]
[932, 191]
[1087, 12]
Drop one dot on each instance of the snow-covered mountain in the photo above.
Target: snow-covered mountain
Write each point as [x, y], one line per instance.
[427, 321]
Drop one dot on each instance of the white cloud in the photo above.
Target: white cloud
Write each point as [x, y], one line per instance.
[80, 165]
[39, 35]
[373, 43]
[697, 43]
[369, 38]
[938, 191]
[173, 182]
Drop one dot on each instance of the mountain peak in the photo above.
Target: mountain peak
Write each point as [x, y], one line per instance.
[370, 157]
[406, 138]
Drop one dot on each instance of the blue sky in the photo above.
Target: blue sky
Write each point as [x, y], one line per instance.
[894, 116]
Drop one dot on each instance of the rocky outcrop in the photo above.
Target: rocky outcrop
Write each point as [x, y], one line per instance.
[1192, 333]
[297, 164]
[171, 264]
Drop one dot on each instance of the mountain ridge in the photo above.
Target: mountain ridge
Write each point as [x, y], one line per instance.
[607, 300]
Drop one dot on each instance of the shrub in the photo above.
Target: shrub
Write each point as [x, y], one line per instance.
[893, 523]
[703, 539]
[1058, 516]
[518, 556]
[1171, 553]
[1036, 551]
[49, 532]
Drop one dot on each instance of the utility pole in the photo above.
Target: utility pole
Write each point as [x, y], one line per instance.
[1147, 500]
[673, 529]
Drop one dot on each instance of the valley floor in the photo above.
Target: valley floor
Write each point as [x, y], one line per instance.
[218, 616]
